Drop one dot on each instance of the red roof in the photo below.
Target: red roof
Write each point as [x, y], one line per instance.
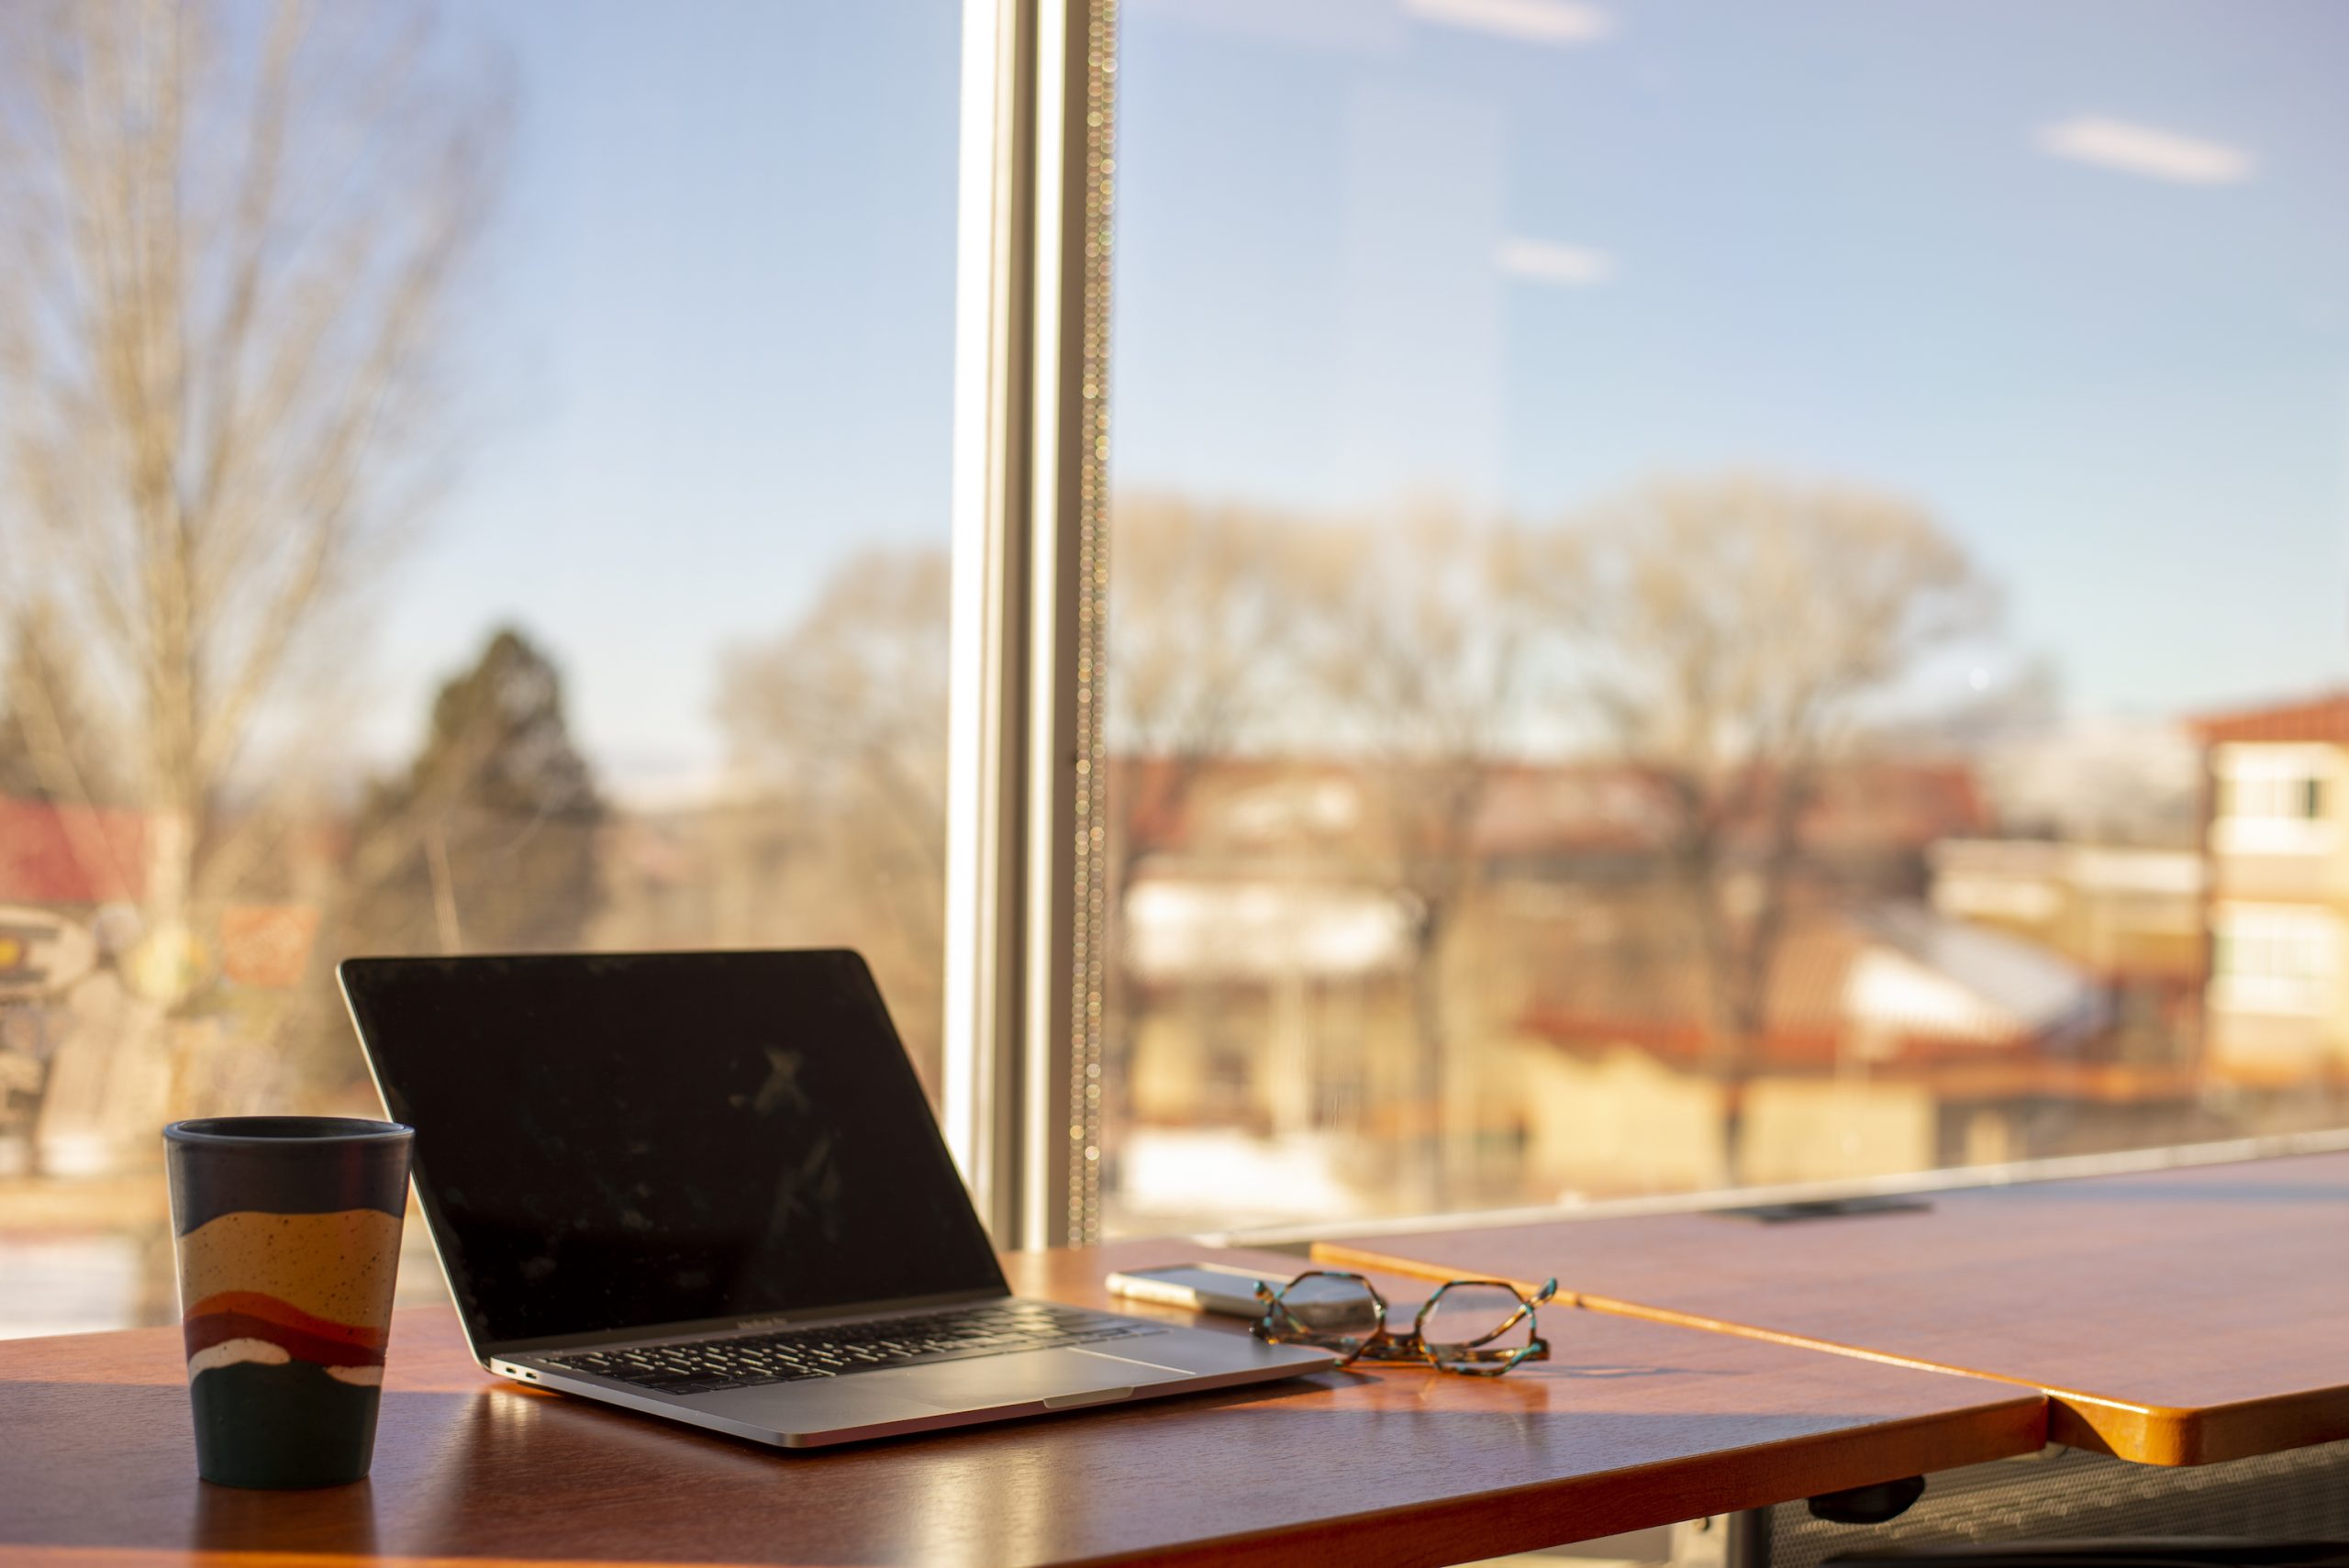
[2323, 719]
[1251, 805]
[69, 854]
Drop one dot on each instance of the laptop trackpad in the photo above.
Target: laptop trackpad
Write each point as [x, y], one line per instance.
[1064, 1376]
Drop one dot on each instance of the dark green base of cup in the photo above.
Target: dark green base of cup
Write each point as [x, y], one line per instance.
[283, 1426]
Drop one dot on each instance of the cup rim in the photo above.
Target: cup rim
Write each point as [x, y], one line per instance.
[283, 1131]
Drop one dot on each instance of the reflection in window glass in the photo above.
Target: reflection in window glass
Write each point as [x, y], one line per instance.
[1679, 573]
[476, 481]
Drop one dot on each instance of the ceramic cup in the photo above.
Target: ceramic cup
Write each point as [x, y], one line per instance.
[288, 1233]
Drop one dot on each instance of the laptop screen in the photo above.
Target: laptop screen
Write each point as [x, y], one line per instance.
[620, 1142]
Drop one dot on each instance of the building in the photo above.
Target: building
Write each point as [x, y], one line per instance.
[2131, 917]
[84, 1069]
[1893, 1039]
[2278, 898]
[1301, 974]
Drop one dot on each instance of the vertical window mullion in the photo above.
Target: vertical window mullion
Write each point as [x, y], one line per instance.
[1023, 912]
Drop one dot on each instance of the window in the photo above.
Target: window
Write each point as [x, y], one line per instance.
[2275, 958]
[1676, 575]
[2272, 799]
[570, 521]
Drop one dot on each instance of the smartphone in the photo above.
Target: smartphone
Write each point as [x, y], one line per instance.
[1230, 1292]
[1198, 1287]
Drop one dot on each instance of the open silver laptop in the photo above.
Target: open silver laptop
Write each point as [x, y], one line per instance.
[707, 1186]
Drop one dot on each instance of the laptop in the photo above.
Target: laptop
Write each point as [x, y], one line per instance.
[707, 1186]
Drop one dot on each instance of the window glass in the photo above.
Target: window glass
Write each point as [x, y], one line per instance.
[2275, 958]
[1680, 573]
[477, 480]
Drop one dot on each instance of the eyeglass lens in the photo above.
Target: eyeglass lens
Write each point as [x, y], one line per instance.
[1332, 1305]
[1475, 1316]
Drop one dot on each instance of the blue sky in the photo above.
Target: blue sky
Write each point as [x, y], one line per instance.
[1825, 238]
[2075, 275]
[714, 354]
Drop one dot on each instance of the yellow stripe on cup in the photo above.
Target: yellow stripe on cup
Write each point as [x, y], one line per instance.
[338, 1266]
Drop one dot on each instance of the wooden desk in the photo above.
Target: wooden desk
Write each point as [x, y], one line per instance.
[2174, 1318]
[1634, 1424]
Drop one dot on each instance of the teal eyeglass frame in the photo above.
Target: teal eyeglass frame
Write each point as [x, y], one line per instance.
[1280, 1325]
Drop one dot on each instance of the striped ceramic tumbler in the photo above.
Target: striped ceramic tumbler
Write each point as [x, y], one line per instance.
[289, 1239]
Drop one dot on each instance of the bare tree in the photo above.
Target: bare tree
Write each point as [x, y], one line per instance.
[1205, 599]
[236, 236]
[1203, 614]
[1729, 634]
[838, 730]
[1424, 647]
[53, 744]
[1237, 630]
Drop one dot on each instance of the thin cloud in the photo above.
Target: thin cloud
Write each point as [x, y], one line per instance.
[1337, 27]
[2143, 149]
[1547, 261]
[1531, 21]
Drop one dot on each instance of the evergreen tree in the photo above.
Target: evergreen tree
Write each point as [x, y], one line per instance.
[489, 842]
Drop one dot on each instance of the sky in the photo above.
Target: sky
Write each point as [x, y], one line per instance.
[2075, 277]
[709, 356]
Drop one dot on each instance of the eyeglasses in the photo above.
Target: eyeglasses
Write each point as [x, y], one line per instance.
[1479, 1327]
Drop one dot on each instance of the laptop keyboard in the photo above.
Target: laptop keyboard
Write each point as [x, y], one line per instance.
[788, 1355]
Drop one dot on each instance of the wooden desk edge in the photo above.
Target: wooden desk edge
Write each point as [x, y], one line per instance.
[2163, 1435]
[1640, 1498]
[1468, 1528]
[2012, 1421]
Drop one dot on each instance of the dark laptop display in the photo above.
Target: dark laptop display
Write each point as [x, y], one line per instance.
[747, 1154]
